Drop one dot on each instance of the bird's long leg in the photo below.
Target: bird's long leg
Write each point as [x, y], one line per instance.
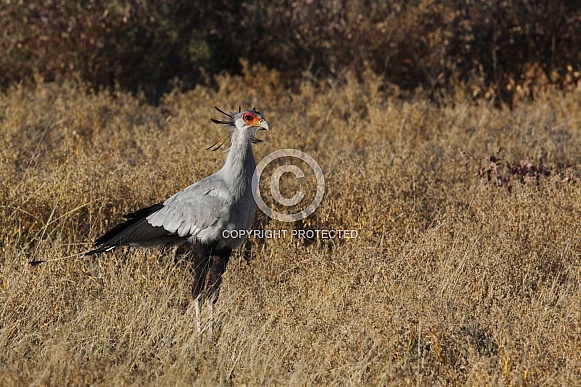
[218, 262]
[199, 271]
[198, 306]
[200, 264]
[211, 320]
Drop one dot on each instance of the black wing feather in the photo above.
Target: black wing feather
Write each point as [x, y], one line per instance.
[134, 230]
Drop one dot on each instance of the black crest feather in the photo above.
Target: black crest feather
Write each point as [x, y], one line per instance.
[218, 144]
[229, 122]
[222, 140]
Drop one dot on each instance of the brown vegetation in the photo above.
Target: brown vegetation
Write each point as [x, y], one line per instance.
[499, 50]
[453, 279]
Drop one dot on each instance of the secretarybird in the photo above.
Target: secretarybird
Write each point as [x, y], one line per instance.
[197, 217]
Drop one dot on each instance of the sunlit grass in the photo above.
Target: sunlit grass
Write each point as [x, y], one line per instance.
[466, 268]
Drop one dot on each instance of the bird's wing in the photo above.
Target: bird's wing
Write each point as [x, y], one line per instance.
[193, 209]
[185, 214]
[135, 230]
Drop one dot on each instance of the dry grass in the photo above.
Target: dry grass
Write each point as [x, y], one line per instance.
[504, 51]
[466, 269]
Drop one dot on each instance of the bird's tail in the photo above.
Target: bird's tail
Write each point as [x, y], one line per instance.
[134, 231]
[101, 249]
[38, 262]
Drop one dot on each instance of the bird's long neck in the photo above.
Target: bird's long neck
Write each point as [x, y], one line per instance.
[240, 164]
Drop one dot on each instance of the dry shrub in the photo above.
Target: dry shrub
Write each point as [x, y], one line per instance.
[452, 280]
[137, 44]
[503, 173]
[501, 50]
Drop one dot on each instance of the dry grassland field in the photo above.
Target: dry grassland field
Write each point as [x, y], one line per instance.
[465, 267]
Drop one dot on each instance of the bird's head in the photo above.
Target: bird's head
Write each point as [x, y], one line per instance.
[249, 119]
[247, 122]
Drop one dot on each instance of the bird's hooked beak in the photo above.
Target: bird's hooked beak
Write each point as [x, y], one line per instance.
[262, 124]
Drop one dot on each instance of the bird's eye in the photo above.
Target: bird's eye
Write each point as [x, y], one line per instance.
[247, 117]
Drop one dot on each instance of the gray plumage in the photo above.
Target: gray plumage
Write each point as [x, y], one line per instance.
[197, 217]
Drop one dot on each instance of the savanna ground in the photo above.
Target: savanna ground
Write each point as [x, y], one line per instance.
[466, 269]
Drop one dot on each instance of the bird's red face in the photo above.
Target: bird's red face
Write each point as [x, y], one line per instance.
[254, 118]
